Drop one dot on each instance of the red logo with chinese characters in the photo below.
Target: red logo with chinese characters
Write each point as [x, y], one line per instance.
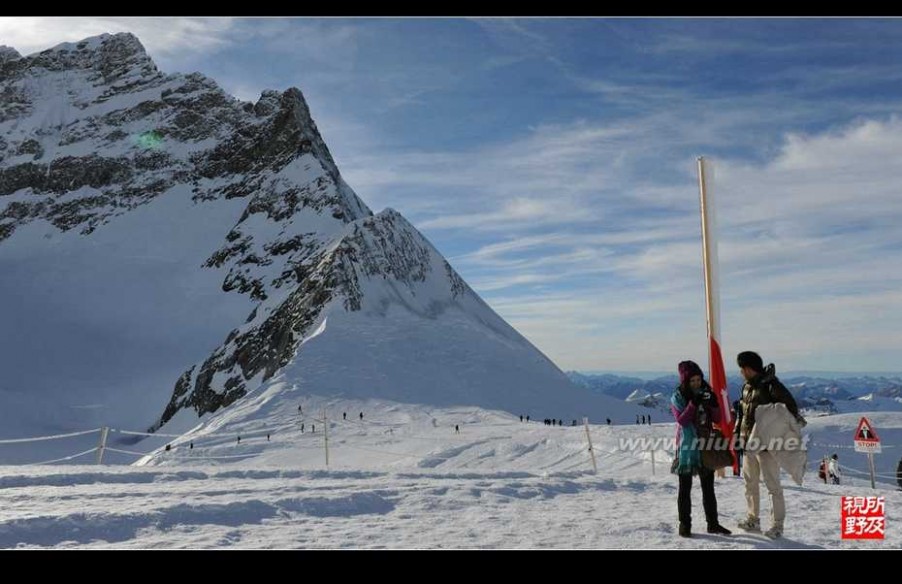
[863, 517]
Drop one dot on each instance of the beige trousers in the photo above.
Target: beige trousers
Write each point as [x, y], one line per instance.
[754, 464]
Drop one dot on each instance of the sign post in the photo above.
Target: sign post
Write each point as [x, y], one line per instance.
[866, 440]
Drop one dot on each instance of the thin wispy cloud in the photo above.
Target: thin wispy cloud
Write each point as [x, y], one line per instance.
[315, 40]
[526, 212]
[706, 46]
[162, 37]
[516, 36]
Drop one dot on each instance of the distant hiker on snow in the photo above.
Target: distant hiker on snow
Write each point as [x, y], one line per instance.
[822, 470]
[833, 469]
[609, 421]
[695, 409]
[770, 418]
[361, 416]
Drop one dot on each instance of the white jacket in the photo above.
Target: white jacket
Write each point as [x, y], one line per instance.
[833, 468]
[778, 431]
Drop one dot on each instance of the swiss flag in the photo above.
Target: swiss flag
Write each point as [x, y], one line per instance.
[718, 380]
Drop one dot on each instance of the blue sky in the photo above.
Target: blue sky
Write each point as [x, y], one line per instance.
[552, 161]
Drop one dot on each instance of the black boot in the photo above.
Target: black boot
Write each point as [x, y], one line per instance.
[718, 529]
[685, 530]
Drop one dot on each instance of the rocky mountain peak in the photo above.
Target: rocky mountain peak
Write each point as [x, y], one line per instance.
[112, 56]
[8, 54]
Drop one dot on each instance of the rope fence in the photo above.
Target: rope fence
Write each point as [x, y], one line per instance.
[184, 443]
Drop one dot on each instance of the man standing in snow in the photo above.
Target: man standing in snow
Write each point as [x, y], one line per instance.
[761, 387]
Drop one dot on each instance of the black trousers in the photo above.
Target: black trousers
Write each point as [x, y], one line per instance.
[709, 501]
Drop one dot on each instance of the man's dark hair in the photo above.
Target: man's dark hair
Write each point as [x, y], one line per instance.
[750, 359]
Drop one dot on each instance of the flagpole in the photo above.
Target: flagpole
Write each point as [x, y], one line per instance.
[713, 328]
[717, 375]
[706, 255]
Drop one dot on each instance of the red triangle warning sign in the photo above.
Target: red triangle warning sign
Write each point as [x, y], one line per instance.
[865, 432]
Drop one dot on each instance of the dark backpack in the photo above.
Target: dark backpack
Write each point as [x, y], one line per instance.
[781, 394]
[822, 470]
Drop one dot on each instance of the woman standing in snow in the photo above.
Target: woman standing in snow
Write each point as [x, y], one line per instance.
[694, 407]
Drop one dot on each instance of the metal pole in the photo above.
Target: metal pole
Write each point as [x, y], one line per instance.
[871, 465]
[703, 193]
[591, 450]
[102, 445]
[326, 434]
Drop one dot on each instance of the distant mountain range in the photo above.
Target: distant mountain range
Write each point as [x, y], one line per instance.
[840, 394]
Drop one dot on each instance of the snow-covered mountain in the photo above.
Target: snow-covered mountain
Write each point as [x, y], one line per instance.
[815, 395]
[810, 388]
[621, 387]
[167, 248]
[656, 401]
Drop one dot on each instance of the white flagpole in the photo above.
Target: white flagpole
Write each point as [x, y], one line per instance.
[717, 376]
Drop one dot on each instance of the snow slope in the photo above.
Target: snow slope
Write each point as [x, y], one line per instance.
[395, 480]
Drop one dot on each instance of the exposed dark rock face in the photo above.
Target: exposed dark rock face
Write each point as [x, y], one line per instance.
[382, 246]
